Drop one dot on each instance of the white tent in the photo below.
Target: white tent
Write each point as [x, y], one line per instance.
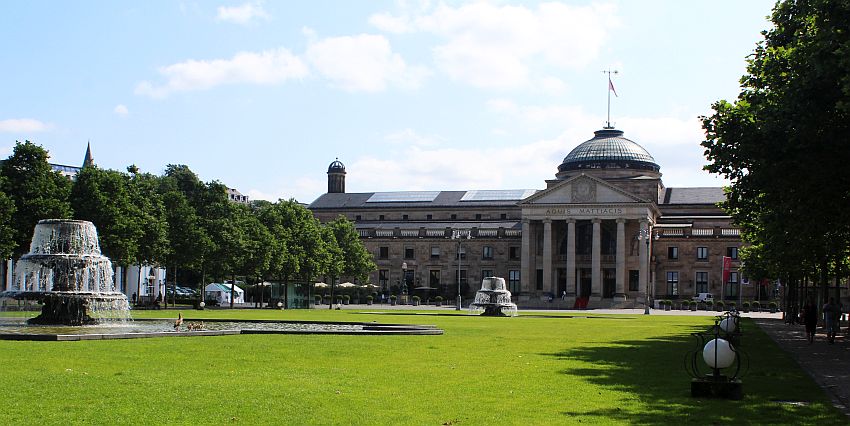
[221, 293]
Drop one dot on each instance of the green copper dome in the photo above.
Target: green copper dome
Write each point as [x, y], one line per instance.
[608, 150]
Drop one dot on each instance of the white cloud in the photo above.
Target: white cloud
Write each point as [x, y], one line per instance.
[391, 24]
[243, 14]
[23, 125]
[411, 137]
[553, 85]
[424, 168]
[498, 46]
[121, 110]
[304, 190]
[267, 67]
[363, 63]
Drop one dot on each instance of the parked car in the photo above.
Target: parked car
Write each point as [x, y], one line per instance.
[704, 297]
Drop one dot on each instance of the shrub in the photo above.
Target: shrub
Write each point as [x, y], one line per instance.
[339, 298]
[745, 305]
[346, 297]
[773, 305]
[756, 305]
[370, 298]
[731, 305]
[393, 297]
[318, 298]
[416, 298]
[439, 298]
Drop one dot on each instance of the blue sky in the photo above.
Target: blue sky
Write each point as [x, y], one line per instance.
[410, 95]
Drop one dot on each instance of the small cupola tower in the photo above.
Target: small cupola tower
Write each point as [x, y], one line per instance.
[336, 177]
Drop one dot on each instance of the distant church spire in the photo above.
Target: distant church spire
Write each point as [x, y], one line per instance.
[88, 161]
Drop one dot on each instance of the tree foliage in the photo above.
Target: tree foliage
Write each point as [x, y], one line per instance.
[36, 191]
[783, 143]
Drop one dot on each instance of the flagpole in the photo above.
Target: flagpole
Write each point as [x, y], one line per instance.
[610, 86]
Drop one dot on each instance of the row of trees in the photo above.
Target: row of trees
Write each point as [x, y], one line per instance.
[176, 220]
[784, 146]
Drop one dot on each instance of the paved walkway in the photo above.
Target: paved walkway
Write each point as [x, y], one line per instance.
[829, 365]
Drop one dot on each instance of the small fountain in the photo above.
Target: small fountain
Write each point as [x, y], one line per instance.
[65, 272]
[493, 298]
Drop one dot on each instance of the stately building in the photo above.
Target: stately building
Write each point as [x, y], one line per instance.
[604, 232]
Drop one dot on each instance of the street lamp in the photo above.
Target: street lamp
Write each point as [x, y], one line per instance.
[459, 236]
[646, 235]
[404, 278]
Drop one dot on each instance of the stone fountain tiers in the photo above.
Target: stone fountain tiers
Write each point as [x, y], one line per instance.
[493, 298]
[66, 273]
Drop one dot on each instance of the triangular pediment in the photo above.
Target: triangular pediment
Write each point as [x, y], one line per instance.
[582, 189]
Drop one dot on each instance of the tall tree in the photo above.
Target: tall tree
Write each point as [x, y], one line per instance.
[36, 191]
[356, 260]
[7, 211]
[103, 198]
[783, 143]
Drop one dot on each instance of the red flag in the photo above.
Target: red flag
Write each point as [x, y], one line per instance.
[727, 266]
[611, 87]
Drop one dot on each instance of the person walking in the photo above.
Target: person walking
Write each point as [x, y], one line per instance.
[830, 316]
[810, 318]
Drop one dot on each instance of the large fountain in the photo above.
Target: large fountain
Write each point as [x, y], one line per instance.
[493, 298]
[67, 275]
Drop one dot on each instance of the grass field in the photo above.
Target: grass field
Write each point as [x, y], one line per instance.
[482, 371]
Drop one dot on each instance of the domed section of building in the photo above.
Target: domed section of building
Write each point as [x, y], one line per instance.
[607, 150]
[336, 166]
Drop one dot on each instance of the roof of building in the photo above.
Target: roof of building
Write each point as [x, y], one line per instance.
[700, 195]
[608, 149]
[431, 199]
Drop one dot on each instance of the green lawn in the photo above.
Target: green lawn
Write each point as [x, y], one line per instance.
[487, 371]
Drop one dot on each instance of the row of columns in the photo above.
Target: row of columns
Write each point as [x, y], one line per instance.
[529, 270]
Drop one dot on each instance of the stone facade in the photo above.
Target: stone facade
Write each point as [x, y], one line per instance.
[576, 241]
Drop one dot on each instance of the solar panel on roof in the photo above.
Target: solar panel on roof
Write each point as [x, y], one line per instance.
[497, 194]
[403, 197]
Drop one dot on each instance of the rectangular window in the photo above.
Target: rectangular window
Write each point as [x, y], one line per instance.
[514, 253]
[672, 253]
[461, 253]
[383, 253]
[358, 217]
[488, 253]
[429, 217]
[477, 216]
[408, 252]
[732, 252]
[732, 286]
[464, 279]
[673, 283]
[434, 278]
[539, 283]
[454, 216]
[702, 253]
[381, 217]
[513, 281]
[486, 273]
[383, 278]
[503, 216]
[701, 282]
[404, 217]
[435, 252]
[634, 280]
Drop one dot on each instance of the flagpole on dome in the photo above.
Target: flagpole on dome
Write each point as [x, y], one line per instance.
[610, 89]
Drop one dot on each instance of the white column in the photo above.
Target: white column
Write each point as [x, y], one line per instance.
[525, 260]
[644, 229]
[620, 292]
[571, 258]
[547, 255]
[596, 262]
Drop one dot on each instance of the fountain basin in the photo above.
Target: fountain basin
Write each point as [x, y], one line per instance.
[17, 329]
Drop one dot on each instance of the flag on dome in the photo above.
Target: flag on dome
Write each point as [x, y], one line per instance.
[611, 87]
